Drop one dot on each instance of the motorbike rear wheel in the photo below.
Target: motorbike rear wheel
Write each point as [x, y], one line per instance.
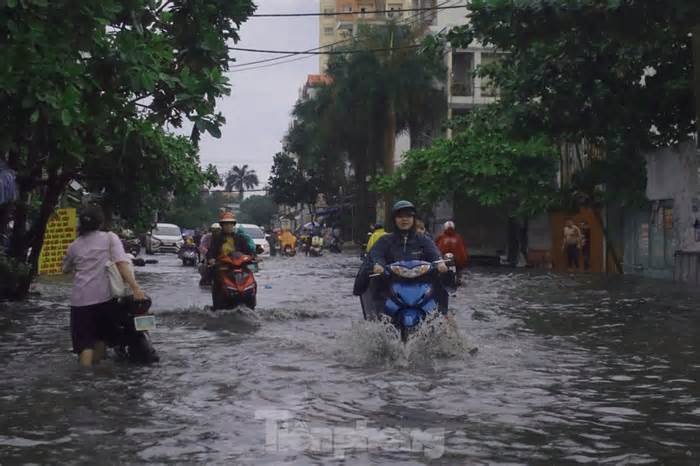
[141, 350]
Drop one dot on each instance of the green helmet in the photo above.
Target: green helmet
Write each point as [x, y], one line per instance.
[403, 205]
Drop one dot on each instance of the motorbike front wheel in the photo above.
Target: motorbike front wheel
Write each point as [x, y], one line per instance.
[406, 332]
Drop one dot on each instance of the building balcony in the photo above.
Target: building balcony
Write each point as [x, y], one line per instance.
[462, 88]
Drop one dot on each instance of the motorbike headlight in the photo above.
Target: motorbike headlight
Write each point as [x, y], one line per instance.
[414, 272]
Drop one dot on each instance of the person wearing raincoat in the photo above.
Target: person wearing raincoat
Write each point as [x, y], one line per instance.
[286, 238]
[452, 242]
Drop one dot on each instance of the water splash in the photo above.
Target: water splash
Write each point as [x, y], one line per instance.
[378, 343]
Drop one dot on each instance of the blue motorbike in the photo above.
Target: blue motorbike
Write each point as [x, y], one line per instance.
[412, 295]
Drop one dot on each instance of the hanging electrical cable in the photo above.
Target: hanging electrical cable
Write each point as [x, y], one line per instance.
[351, 13]
[329, 52]
[270, 62]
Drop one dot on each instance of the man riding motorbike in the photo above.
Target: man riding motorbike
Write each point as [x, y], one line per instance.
[228, 241]
[205, 242]
[288, 242]
[404, 244]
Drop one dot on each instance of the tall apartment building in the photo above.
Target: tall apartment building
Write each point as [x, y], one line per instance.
[464, 90]
[338, 28]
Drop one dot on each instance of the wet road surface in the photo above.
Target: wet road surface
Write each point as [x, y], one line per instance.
[569, 370]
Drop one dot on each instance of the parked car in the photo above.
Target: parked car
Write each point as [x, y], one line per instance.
[258, 236]
[165, 237]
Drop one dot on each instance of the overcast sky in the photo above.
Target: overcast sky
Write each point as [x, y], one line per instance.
[258, 110]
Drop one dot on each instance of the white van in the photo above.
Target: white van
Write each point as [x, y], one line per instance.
[258, 236]
[165, 237]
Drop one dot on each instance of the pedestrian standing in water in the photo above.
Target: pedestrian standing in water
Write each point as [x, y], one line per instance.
[585, 229]
[91, 297]
[571, 245]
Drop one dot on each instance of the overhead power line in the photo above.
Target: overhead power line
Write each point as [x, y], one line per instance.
[328, 52]
[270, 62]
[342, 41]
[350, 13]
[276, 63]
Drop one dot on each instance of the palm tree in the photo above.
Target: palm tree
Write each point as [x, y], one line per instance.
[240, 179]
[378, 95]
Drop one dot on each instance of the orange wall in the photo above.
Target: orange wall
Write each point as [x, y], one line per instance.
[558, 256]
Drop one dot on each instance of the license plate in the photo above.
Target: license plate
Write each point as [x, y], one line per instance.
[144, 323]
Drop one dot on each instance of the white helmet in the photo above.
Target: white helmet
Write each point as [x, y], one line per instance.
[215, 226]
[449, 224]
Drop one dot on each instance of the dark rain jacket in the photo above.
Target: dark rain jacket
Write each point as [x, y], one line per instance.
[400, 246]
[217, 241]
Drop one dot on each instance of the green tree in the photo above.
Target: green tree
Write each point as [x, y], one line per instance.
[484, 161]
[258, 210]
[289, 186]
[649, 32]
[195, 211]
[315, 147]
[240, 179]
[376, 95]
[81, 88]
[615, 74]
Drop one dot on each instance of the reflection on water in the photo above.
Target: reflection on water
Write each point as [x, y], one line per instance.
[569, 369]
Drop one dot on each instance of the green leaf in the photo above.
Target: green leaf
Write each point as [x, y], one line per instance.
[66, 118]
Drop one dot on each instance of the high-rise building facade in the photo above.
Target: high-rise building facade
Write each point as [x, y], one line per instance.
[335, 28]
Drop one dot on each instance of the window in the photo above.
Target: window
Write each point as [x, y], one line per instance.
[329, 31]
[394, 10]
[347, 8]
[462, 74]
[487, 89]
[363, 12]
[167, 230]
[253, 231]
[328, 11]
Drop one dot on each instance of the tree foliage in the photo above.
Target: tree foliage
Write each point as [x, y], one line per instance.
[258, 210]
[483, 161]
[289, 185]
[582, 71]
[369, 99]
[86, 89]
[198, 211]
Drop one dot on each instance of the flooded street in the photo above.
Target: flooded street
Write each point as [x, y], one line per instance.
[568, 370]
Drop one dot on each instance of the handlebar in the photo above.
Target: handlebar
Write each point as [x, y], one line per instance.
[387, 268]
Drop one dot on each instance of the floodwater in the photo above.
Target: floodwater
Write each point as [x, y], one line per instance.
[569, 369]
